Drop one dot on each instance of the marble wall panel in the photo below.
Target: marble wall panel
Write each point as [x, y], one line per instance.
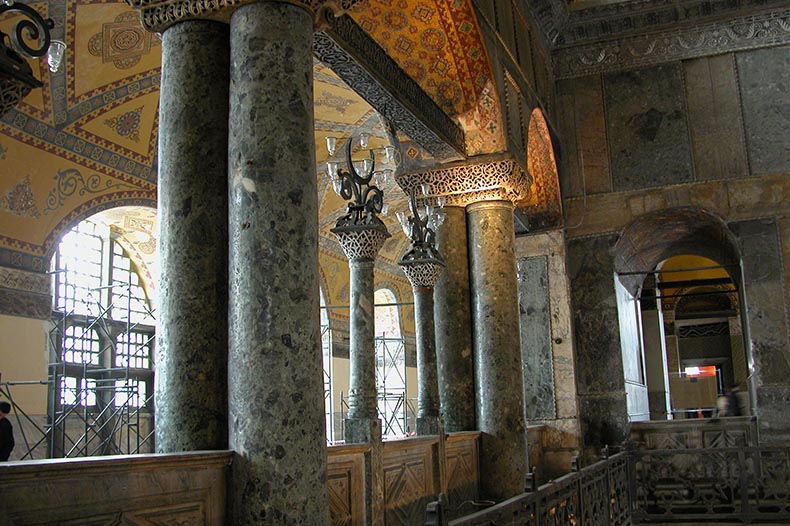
[646, 127]
[764, 75]
[584, 160]
[535, 326]
[715, 121]
[763, 274]
[599, 366]
[410, 480]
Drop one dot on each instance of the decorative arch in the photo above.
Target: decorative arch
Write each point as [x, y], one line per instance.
[662, 234]
[543, 204]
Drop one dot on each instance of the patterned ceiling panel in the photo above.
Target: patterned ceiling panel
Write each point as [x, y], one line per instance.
[439, 45]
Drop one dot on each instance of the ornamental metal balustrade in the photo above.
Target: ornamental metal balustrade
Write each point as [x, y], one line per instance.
[716, 485]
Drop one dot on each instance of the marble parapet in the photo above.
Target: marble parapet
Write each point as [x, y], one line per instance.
[26, 294]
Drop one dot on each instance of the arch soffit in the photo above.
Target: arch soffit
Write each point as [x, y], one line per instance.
[662, 234]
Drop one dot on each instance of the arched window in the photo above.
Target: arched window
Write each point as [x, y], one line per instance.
[102, 347]
[390, 366]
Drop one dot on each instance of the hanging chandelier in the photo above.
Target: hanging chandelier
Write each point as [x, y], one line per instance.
[29, 38]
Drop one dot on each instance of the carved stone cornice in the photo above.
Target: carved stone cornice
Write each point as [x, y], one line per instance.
[21, 280]
[158, 15]
[485, 178]
[751, 32]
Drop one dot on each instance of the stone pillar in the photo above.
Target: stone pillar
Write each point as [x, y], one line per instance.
[490, 184]
[453, 317]
[655, 357]
[192, 338]
[497, 348]
[361, 244]
[422, 275]
[274, 370]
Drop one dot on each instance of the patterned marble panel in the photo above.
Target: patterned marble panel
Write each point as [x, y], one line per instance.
[533, 285]
[764, 75]
[646, 126]
[346, 482]
[463, 475]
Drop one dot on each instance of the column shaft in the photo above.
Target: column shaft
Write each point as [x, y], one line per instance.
[274, 370]
[498, 368]
[191, 363]
[452, 312]
[362, 385]
[428, 386]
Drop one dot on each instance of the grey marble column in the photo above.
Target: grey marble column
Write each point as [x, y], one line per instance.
[361, 244]
[427, 382]
[191, 362]
[422, 268]
[497, 351]
[452, 314]
[274, 369]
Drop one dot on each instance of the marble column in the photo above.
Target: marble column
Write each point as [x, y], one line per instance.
[191, 361]
[497, 351]
[361, 244]
[423, 275]
[452, 314]
[274, 372]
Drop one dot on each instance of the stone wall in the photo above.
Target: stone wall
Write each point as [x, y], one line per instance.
[708, 132]
[547, 351]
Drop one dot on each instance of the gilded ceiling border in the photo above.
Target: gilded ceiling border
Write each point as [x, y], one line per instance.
[752, 32]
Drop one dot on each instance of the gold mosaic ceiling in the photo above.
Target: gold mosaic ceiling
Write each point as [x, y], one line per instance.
[86, 141]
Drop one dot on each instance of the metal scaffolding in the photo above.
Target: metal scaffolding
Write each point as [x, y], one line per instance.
[100, 396]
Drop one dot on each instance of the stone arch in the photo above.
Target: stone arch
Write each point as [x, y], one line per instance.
[662, 234]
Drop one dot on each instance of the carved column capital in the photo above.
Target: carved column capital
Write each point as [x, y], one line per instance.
[422, 274]
[158, 15]
[361, 242]
[484, 178]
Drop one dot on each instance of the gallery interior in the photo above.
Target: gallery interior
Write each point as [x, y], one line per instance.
[402, 262]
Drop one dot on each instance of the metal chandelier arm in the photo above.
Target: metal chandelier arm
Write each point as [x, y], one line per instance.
[35, 29]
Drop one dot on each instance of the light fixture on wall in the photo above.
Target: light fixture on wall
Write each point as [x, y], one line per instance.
[16, 75]
[359, 181]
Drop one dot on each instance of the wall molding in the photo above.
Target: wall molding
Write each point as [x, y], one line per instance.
[738, 34]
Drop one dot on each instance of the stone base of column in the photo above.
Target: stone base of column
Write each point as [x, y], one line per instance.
[360, 430]
[428, 425]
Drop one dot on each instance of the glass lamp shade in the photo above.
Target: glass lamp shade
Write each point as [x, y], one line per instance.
[385, 208]
[386, 175]
[55, 54]
[440, 200]
[337, 185]
[363, 140]
[367, 166]
[331, 169]
[331, 145]
[403, 220]
[425, 188]
[389, 153]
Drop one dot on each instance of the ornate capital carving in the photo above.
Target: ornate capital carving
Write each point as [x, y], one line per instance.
[487, 178]
[158, 15]
[361, 242]
[422, 273]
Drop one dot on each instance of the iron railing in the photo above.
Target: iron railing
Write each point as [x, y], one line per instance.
[718, 485]
[598, 495]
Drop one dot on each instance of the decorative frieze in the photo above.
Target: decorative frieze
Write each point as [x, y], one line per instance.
[492, 178]
[158, 15]
[24, 281]
[770, 29]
